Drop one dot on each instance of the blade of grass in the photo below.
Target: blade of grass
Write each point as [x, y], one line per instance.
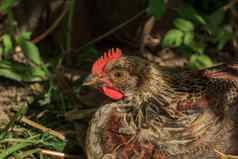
[13, 149]
[17, 117]
[28, 153]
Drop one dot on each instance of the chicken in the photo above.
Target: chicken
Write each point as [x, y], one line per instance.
[160, 112]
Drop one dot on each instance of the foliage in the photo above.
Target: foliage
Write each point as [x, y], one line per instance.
[21, 60]
[5, 5]
[32, 69]
[196, 31]
[156, 8]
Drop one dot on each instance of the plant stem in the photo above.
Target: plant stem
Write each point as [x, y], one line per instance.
[110, 31]
[69, 27]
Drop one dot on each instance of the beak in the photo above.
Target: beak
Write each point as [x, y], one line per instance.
[91, 80]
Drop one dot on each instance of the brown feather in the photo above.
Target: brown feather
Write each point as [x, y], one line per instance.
[167, 114]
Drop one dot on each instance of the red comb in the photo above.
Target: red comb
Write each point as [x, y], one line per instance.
[113, 54]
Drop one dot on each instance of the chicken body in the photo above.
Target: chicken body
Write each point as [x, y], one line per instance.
[166, 114]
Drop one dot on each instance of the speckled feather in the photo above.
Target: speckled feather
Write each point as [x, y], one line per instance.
[170, 114]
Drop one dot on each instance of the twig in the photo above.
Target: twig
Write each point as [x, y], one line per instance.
[110, 31]
[58, 154]
[43, 128]
[149, 24]
[52, 27]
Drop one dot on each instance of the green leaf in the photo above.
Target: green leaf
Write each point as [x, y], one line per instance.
[183, 24]
[198, 46]
[10, 74]
[215, 20]
[173, 38]
[1, 51]
[198, 61]
[20, 72]
[38, 73]
[5, 5]
[156, 8]
[188, 12]
[25, 35]
[222, 37]
[7, 69]
[32, 52]
[7, 45]
[188, 38]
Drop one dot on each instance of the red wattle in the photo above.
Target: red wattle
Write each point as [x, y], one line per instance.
[110, 92]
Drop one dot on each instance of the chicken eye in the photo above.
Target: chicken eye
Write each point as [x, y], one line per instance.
[119, 76]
